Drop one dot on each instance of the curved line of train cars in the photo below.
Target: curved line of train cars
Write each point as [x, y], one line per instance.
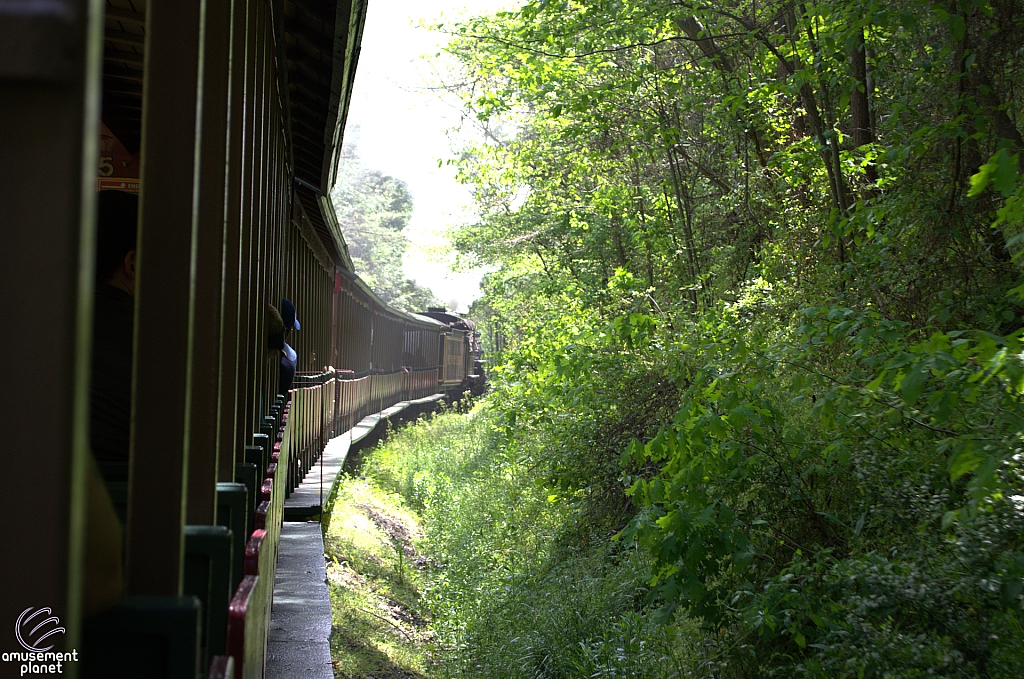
[226, 117]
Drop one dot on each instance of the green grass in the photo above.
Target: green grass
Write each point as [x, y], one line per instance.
[374, 575]
[504, 580]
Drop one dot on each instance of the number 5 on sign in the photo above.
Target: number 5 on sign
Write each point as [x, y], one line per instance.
[106, 167]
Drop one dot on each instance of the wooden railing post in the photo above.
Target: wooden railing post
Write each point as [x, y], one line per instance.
[49, 111]
[164, 297]
[208, 269]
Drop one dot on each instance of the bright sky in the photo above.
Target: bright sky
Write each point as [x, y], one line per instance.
[399, 128]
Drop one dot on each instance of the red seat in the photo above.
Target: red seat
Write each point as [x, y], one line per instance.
[261, 515]
[261, 558]
[247, 628]
[252, 551]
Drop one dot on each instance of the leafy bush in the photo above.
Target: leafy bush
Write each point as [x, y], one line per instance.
[838, 502]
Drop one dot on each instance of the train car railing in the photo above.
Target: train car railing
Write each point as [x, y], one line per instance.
[356, 394]
[248, 619]
[319, 406]
[325, 405]
[421, 382]
[386, 389]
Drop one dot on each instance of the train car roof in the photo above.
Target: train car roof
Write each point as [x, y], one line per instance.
[317, 51]
[428, 319]
[449, 318]
[318, 45]
[320, 50]
[387, 308]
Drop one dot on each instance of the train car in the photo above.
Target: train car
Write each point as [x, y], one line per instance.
[225, 117]
[460, 353]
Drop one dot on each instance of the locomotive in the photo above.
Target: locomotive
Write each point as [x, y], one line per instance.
[226, 117]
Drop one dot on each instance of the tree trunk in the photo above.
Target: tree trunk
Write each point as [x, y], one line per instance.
[682, 203]
[860, 108]
[620, 252]
[862, 133]
[986, 96]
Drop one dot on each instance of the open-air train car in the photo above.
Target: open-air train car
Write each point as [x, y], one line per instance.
[226, 116]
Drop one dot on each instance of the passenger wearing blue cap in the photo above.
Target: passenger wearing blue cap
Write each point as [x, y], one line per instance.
[289, 359]
[288, 316]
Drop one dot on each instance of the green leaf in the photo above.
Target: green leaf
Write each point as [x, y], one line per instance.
[957, 27]
[964, 461]
[948, 519]
[874, 384]
[1012, 591]
[1000, 171]
[741, 561]
[981, 179]
[913, 383]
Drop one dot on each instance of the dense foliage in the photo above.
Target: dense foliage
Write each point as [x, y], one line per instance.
[373, 210]
[508, 596]
[760, 309]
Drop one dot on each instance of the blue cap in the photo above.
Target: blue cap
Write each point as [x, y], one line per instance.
[288, 315]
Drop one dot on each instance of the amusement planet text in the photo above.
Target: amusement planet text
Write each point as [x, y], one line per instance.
[41, 663]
